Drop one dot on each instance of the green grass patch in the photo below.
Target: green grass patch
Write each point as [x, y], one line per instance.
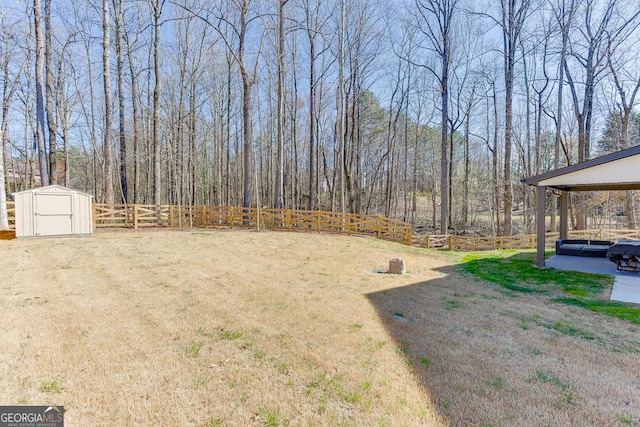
[425, 361]
[231, 335]
[453, 303]
[563, 388]
[573, 331]
[273, 417]
[215, 422]
[496, 382]
[549, 379]
[51, 387]
[516, 272]
[193, 350]
[625, 419]
[621, 310]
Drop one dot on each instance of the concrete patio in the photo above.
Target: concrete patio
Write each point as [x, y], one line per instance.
[626, 287]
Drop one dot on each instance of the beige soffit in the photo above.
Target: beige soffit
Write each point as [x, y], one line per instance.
[620, 171]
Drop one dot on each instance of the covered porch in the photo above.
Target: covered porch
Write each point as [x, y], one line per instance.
[616, 171]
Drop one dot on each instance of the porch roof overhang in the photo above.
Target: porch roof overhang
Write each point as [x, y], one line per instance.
[616, 171]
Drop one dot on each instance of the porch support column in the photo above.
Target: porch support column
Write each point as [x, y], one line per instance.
[541, 202]
[564, 214]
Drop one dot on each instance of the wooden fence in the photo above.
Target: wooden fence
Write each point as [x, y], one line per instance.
[527, 241]
[171, 216]
[142, 216]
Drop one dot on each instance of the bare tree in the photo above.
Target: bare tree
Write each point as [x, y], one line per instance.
[156, 7]
[118, 8]
[564, 13]
[621, 62]
[40, 115]
[436, 25]
[280, 152]
[49, 83]
[130, 43]
[108, 113]
[313, 22]
[9, 86]
[233, 25]
[589, 50]
[512, 19]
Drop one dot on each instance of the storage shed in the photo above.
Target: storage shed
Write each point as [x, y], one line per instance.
[53, 211]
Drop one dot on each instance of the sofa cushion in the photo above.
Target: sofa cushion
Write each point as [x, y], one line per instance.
[570, 249]
[606, 243]
[595, 251]
[573, 242]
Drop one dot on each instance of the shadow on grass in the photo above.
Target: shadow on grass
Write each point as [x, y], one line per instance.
[462, 337]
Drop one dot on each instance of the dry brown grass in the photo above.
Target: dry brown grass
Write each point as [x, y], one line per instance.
[260, 328]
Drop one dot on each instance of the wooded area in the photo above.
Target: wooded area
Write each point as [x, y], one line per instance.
[427, 111]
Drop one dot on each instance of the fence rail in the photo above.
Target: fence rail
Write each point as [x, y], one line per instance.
[141, 216]
[171, 216]
[527, 241]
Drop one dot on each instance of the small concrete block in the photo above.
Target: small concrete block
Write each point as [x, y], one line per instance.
[396, 266]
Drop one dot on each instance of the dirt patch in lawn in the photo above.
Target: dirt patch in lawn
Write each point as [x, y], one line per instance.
[264, 328]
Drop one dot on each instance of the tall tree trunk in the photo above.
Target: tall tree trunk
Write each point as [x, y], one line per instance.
[444, 142]
[157, 160]
[106, 70]
[280, 154]
[494, 152]
[51, 116]
[564, 17]
[118, 7]
[40, 126]
[467, 159]
[135, 117]
[342, 109]
[247, 82]
[8, 90]
[512, 23]
[311, 33]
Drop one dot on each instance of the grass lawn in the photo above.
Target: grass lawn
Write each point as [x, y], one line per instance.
[244, 328]
[515, 271]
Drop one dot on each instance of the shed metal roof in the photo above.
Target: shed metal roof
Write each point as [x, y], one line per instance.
[53, 187]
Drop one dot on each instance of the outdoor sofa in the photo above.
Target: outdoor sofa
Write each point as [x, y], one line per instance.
[583, 247]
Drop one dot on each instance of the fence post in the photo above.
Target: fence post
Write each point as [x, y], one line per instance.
[426, 242]
[94, 220]
[346, 219]
[135, 216]
[450, 241]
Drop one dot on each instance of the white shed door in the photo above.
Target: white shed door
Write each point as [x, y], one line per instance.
[53, 214]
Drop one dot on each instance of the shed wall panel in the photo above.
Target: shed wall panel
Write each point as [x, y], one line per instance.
[24, 215]
[53, 211]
